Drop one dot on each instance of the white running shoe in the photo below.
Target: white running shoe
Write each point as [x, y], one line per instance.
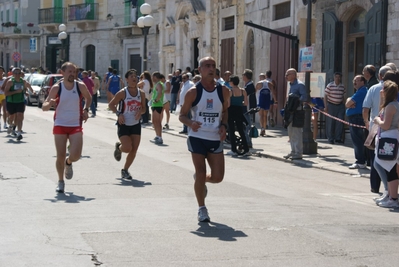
[203, 215]
[382, 198]
[61, 187]
[389, 204]
[357, 166]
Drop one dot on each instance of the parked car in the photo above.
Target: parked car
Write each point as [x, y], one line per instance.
[36, 81]
[48, 82]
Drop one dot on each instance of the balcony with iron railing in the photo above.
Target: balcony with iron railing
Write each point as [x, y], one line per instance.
[83, 12]
[55, 15]
[19, 29]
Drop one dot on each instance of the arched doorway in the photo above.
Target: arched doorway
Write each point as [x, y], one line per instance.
[355, 47]
[250, 51]
[90, 57]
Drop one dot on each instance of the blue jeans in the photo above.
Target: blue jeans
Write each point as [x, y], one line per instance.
[93, 106]
[335, 128]
[173, 98]
[248, 129]
[357, 135]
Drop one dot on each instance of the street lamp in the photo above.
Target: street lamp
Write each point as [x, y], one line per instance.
[145, 22]
[62, 36]
[309, 145]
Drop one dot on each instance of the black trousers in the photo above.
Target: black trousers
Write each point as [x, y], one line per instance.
[146, 116]
[375, 180]
[236, 122]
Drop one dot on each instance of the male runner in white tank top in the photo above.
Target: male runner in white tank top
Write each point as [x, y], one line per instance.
[207, 130]
[128, 104]
[66, 97]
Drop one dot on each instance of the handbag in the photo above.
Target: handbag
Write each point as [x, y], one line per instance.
[370, 140]
[387, 148]
[254, 132]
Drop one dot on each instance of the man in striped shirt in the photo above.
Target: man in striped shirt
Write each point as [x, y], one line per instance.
[334, 102]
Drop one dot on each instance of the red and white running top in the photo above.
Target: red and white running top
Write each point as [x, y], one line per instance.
[68, 112]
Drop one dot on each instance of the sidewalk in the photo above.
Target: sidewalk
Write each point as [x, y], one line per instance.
[335, 158]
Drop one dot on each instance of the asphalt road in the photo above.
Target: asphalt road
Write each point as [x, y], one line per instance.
[265, 212]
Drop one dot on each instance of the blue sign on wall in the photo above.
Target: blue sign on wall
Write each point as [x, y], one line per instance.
[33, 44]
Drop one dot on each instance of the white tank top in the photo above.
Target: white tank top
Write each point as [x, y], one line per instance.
[265, 85]
[131, 106]
[69, 110]
[1, 83]
[208, 111]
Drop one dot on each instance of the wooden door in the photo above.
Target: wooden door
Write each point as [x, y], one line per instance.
[227, 55]
[90, 57]
[280, 58]
[332, 46]
[375, 35]
[135, 62]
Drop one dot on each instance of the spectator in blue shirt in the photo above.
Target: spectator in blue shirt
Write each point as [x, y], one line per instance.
[354, 107]
[295, 133]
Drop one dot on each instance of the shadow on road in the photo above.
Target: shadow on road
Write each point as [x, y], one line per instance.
[133, 182]
[69, 197]
[217, 230]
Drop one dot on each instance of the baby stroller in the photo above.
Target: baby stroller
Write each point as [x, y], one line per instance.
[239, 145]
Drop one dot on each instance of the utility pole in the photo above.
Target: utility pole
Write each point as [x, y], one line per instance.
[309, 145]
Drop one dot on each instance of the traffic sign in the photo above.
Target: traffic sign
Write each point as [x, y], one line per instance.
[16, 56]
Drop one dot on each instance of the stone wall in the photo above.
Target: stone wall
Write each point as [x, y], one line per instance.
[393, 32]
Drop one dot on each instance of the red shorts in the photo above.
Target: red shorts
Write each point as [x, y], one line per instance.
[67, 130]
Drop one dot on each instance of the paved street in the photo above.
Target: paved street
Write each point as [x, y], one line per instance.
[267, 212]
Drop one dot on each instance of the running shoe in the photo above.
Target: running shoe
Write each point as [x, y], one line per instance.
[19, 137]
[9, 129]
[382, 198]
[166, 127]
[203, 215]
[68, 171]
[389, 204]
[159, 141]
[60, 188]
[357, 166]
[125, 174]
[5, 126]
[117, 152]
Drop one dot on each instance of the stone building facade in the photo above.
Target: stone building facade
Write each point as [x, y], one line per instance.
[186, 30]
[18, 25]
[352, 34]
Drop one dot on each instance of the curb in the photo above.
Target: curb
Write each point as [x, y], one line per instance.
[301, 163]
